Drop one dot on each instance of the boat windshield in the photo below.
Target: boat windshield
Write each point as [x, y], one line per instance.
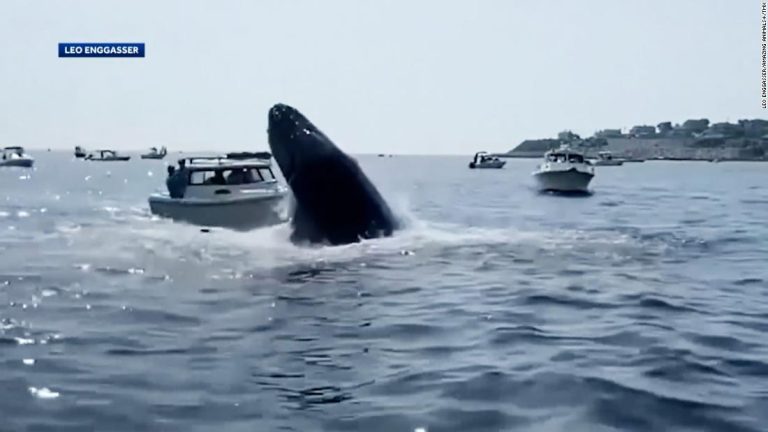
[231, 176]
[565, 157]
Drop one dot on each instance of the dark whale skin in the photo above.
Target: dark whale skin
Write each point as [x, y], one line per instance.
[335, 202]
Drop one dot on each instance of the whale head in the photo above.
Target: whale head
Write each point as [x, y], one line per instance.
[293, 139]
[335, 202]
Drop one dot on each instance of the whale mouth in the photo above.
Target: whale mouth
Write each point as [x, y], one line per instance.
[289, 120]
[294, 140]
[335, 202]
[278, 113]
[282, 114]
[285, 125]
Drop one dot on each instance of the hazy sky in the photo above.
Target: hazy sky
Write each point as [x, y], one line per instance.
[395, 76]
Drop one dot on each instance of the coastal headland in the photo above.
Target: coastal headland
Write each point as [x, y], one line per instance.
[695, 139]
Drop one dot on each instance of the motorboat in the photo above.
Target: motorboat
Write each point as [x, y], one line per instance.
[485, 160]
[605, 158]
[16, 157]
[230, 192]
[564, 170]
[154, 153]
[80, 152]
[106, 156]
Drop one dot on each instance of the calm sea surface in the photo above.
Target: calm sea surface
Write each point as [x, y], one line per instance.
[643, 307]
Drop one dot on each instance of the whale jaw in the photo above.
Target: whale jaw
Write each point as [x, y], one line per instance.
[336, 203]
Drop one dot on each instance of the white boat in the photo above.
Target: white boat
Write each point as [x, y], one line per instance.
[564, 170]
[605, 158]
[16, 157]
[106, 156]
[154, 153]
[228, 191]
[485, 160]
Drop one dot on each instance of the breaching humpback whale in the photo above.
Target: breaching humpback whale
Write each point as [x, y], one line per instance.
[335, 203]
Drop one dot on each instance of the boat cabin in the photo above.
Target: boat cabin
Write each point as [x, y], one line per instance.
[219, 177]
[481, 157]
[9, 151]
[103, 154]
[232, 176]
[564, 156]
[605, 155]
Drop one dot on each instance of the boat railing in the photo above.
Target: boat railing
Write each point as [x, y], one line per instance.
[229, 157]
[249, 155]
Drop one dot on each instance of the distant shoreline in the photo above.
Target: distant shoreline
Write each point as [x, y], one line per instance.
[663, 159]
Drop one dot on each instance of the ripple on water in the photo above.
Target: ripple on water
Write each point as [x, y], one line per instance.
[677, 411]
[530, 314]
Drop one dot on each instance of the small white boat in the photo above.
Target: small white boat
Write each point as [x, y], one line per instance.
[485, 160]
[564, 170]
[230, 191]
[106, 156]
[154, 153]
[605, 158]
[16, 157]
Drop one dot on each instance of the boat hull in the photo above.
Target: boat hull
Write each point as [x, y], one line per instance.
[238, 214]
[607, 162]
[148, 156]
[487, 165]
[563, 181]
[20, 162]
[115, 159]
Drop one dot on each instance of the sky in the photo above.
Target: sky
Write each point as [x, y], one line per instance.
[377, 76]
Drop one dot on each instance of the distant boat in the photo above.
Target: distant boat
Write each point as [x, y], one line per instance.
[16, 157]
[106, 156]
[564, 170]
[605, 158]
[154, 153]
[79, 152]
[485, 160]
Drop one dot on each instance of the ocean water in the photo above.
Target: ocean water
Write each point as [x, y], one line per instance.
[643, 307]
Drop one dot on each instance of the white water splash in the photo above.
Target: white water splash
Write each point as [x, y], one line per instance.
[43, 393]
